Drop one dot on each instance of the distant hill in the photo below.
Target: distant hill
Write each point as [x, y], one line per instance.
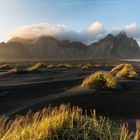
[110, 47]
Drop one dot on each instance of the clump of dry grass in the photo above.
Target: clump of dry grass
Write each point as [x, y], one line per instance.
[62, 123]
[64, 65]
[50, 66]
[98, 65]
[100, 80]
[18, 65]
[86, 67]
[5, 67]
[125, 71]
[36, 67]
[117, 67]
[12, 71]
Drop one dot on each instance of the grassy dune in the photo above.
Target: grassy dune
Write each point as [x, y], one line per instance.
[63, 123]
[124, 71]
[100, 80]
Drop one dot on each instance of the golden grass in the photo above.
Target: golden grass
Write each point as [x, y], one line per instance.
[117, 67]
[98, 65]
[5, 67]
[62, 123]
[12, 71]
[86, 67]
[124, 71]
[18, 65]
[100, 80]
[50, 66]
[64, 65]
[36, 67]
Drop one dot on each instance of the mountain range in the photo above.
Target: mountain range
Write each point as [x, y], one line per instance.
[44, 47]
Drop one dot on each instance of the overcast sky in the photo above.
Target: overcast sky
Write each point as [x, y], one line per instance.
[80, 20]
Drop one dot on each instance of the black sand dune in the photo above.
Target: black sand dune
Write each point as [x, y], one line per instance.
[21, 92]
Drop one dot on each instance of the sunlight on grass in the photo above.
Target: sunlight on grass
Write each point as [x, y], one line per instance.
[117, 68]
[86, 67]
[125, 71]
[5, 67]
[62, 123]
[36, 67]
[64, 65]
[50, 66]
[12, 71]
[100, 80]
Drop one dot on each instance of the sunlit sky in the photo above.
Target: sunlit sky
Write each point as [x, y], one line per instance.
[76, 15]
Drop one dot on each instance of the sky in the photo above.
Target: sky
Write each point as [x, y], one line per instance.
[80, 20]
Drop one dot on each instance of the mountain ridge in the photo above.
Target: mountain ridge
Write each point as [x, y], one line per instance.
[44, 47]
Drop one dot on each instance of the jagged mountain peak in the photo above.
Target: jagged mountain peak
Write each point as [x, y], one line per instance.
[119, 46]
[122, 34]
[46, 47]
[109, 36]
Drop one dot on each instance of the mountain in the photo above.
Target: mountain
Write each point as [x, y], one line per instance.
[119, 46]
[110, 47]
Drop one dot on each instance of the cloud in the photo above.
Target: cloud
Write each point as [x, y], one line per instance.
[132, 30]
[131, 26]
[92, 33]
[95, 28]
[35, 30]
[60, 32]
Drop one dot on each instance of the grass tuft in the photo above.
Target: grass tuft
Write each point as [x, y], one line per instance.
[86, 67]
[64, 65]
[117, 67]
[50, 66]
[12, 71]
[126, 71]
[5, 67]
[62, 123]
[100, 80]
[36, 67]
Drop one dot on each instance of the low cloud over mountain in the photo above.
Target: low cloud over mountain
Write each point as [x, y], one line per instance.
[93, 33]
[111, 47]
